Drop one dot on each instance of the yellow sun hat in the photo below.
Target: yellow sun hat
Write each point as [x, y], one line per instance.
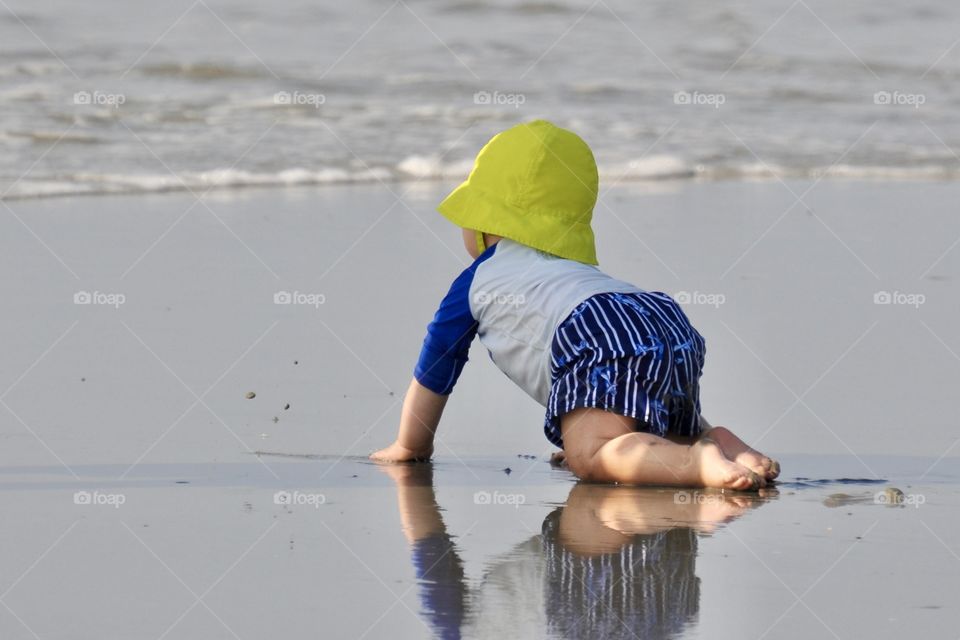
[536, 184]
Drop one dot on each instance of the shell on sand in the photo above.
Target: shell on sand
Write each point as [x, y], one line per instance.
[889, 496]
[893, 495]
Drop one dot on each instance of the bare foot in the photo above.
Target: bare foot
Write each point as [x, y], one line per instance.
[398, 453]
[719, 472]
[739, 451]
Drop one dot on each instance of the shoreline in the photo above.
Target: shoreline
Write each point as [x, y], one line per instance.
[854, 175]
[803, 472]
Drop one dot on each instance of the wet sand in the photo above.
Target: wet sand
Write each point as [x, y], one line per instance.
[136, 506]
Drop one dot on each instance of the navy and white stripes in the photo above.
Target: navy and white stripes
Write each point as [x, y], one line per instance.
[648, 588]
[634, 354]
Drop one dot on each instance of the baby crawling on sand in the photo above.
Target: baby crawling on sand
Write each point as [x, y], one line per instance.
[617, 367]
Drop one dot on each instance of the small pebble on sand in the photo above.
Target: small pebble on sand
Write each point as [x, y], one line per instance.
[286, 406]
[250, 395]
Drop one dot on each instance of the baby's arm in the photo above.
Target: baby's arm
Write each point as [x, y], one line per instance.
[445, 350]
[419, 418]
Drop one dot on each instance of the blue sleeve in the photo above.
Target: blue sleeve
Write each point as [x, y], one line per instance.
[447, 345]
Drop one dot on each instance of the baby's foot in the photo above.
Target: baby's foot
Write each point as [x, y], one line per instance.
[719, 472]
[739, 451]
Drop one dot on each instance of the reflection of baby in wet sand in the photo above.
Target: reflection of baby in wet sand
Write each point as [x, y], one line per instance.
[614, 562]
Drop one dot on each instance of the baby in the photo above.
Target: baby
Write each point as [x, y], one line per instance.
[616, 367]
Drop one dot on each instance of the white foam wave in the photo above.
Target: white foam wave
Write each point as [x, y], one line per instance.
[110, 183]
[655, 167]
[432, 167]
[429, 168]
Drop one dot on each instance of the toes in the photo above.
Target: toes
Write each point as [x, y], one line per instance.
[756, 465]
[744, 481]
[752, 459]
[749, 481]
[774, 470]
[768, 468]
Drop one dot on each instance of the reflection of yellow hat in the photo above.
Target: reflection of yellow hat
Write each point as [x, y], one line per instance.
[536, 184]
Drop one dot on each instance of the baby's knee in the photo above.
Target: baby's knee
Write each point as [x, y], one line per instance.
[585, 431]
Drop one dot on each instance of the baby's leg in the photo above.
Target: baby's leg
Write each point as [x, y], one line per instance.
[601, 446]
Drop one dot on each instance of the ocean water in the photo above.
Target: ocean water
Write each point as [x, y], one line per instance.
[135, 96]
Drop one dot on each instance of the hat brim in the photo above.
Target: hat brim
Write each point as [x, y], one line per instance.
[471, 208]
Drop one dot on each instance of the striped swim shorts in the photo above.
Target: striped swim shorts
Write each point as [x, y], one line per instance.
[634, 354]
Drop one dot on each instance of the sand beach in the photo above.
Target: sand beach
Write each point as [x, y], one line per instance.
[150, 496]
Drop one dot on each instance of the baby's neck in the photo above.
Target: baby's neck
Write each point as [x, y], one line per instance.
[489, 240]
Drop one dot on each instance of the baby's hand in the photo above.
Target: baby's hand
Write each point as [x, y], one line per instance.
[398, 453]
